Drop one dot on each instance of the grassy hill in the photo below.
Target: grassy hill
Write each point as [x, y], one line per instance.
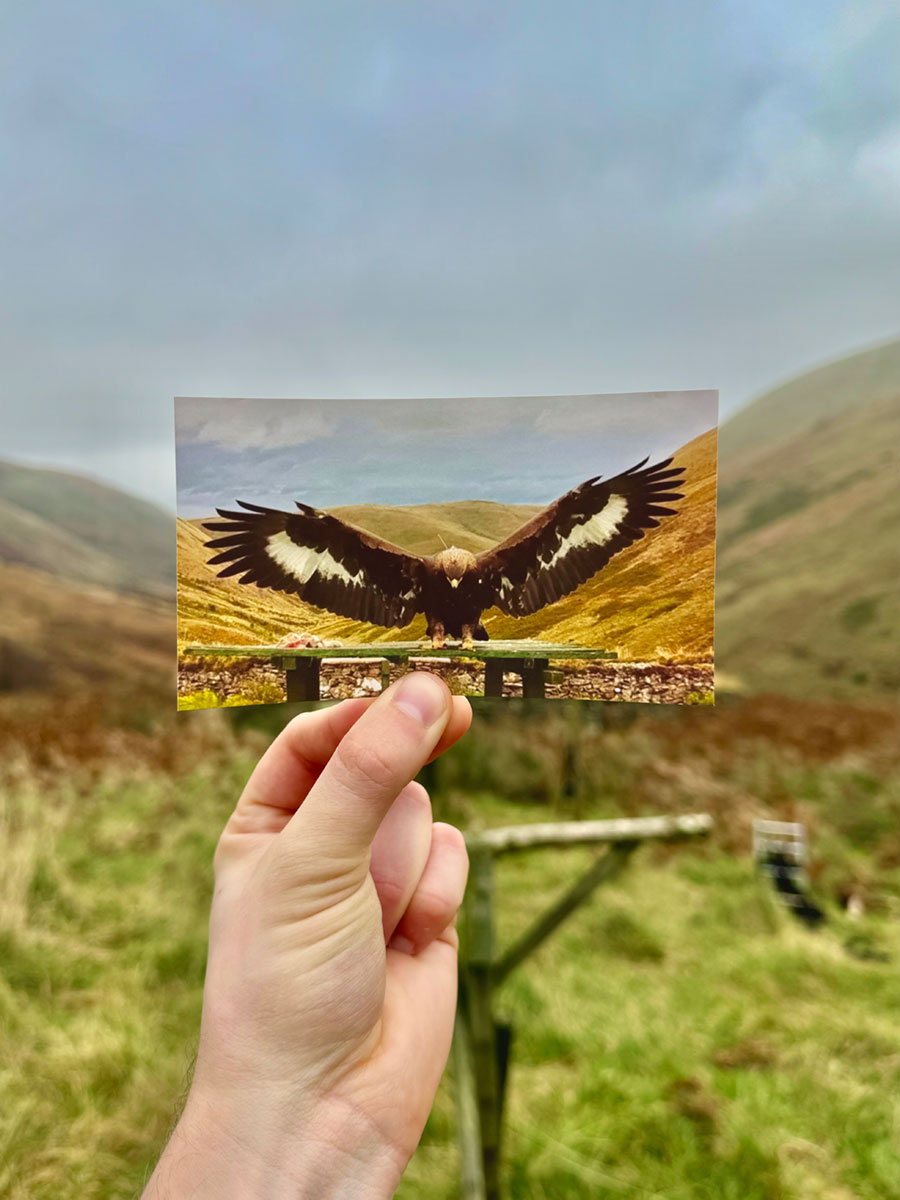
[87, 578]
[653, 601]
[84, 531]
[794, 407]
[66, 637]
[808, 564]
[809, 533]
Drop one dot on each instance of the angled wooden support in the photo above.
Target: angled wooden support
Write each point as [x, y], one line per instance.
[608, 865]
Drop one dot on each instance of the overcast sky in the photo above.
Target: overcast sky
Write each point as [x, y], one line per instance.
[284, 199]
[516, 450]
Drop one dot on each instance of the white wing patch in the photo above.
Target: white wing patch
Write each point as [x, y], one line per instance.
[597, 531]
[303, 562]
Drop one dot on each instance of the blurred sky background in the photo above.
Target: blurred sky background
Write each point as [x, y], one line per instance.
[442, 199]
[513, 450]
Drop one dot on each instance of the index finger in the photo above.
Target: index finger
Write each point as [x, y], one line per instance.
[372, 763]
[282, 778]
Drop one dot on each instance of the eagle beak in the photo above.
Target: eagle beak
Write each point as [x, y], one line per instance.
[454, 583]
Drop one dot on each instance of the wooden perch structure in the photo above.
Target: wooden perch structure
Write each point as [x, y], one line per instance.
[301, 665]
[581, 833]
[481, 1045]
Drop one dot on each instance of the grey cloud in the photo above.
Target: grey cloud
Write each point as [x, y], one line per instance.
[511, 449]
[660, 413]
[244, 425]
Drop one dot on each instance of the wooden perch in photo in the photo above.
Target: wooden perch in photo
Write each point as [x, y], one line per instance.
[529, 659]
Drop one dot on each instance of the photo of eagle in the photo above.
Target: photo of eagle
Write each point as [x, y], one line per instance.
[352, 573]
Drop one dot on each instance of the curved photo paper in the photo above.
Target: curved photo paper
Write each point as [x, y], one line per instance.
[556, 547]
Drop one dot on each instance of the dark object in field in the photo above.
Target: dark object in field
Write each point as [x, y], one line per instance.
[783, 873]
[355, 574]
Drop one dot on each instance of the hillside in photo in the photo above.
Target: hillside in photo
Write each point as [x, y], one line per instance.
[654, 600]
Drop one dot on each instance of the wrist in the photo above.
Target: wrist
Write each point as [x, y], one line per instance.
[327, 1152]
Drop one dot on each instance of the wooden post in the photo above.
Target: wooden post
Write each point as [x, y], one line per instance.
[493, 677]
[468, 1124]
[301, 678]
[478, 1011]
[503, 1040]
[533, 677]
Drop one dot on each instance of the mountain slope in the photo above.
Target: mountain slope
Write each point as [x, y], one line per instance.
[808, 571]
[86, 586]
[84, 531]
[795, 407]
[63, 637]
[653, 600]
[809, 534]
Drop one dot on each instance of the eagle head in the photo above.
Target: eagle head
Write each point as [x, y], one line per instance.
[454, 563]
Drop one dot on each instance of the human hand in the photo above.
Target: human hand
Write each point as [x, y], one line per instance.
[331, 980]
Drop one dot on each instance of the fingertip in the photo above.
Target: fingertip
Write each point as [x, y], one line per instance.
[435, 903]
[449, 936]
[422, 696]
[450, 836]
[457, 724]
[462, 712]
[416, 795]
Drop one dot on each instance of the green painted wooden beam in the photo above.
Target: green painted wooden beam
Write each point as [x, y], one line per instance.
[404, 650]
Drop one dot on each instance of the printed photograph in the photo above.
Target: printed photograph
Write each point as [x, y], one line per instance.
[558, 547]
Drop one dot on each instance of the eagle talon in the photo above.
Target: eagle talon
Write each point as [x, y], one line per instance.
[467, 644]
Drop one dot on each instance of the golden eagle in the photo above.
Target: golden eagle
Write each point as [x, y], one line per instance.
[332, 564]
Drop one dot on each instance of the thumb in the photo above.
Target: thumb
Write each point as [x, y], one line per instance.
[371, 765]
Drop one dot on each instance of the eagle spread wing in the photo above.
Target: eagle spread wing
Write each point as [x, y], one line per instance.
[568, 542]
[320, 558]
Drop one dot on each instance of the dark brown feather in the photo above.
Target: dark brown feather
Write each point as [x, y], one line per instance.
[576, 536]
[320, 558]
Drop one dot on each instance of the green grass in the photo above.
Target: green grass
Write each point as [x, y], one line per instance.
[774, 507]
[678, 1037]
